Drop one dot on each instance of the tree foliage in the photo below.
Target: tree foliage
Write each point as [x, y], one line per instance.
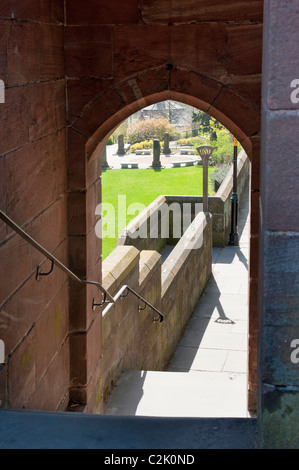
[149, 129]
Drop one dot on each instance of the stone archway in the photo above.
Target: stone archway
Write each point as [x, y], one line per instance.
[87, 136]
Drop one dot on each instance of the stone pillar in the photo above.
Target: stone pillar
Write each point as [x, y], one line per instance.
[105, 165]
[156, 151]
[121, 145]
[278, 373]
[166, 144]
[253, 273]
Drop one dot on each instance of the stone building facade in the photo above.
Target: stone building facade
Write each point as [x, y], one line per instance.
[73, 71]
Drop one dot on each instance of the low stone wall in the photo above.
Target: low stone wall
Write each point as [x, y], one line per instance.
[156, 217]
[130, 338]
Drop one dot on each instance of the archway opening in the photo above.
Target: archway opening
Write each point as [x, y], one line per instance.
[218, 315]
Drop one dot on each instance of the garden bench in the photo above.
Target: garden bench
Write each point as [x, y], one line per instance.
[142, 152]
[129, 165]
[187, 163]
[187, 152]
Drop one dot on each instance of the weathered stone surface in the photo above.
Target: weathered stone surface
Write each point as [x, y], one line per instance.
[88, 51]
[281, 62]
[208, 60]
[14, 117]
[174, 11]
[143, 45]
[278, 163]
[45, 11]
[280, 278]
[235, 109]
[22, 310]
[35, 53]
[45, 159]
[278, 367]
[46, 102]
[83, 92]
[76, 160]
[22, 372]
[54, 320]
[95, 12]
[4, 33]
[14, 250]
[52, 391]
[244, 48]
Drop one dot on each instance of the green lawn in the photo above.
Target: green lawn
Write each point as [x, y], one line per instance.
[142, 186]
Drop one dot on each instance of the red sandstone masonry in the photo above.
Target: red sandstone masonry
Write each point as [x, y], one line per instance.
[33, 166]
[32, 51]
[175, 11]
[34, 10]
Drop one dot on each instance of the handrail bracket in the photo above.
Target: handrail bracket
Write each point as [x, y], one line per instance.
[40, 273]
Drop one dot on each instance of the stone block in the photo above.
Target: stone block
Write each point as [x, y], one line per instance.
[279, 180]
[77, 255]
[14, 114]
[45, 159]
[120, 263]
[50, 229]
[145, 46]
[78, 302]
[4, 33]
[76, 220]
[16, 256]
[46, 102]
[191, 54]
[250, 89]
[35, 53]
[254, 254]
[278, 367]
[94, 345]
[235, 109]
[94, 13]
[82, 92]
[57, 11]
[280, 61]
[280, 278]
[76, 160]
[244, 46]
[91, 120]
[93, 198]
[21, 377]
[3, 386]
[174, 11]
[52, 391]
[54, 321]
[22, 310]
[78, 359]
[88, 51]
[33, 10]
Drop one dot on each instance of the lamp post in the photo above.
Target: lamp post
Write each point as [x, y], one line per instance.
[205, 152]
[234, 237]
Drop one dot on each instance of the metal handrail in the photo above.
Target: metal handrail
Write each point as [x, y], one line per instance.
[120, 294]
[108, 299]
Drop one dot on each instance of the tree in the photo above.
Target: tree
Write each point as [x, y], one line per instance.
[149, 129]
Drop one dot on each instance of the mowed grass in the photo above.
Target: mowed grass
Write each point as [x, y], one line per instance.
[143, 187]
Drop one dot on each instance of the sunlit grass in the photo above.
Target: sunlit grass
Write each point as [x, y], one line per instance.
[144, 186]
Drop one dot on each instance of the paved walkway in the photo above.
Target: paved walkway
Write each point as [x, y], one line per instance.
[145, 161]
[207, 375]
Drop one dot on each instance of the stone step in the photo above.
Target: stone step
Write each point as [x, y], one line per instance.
[49, 430]
[178, 394]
